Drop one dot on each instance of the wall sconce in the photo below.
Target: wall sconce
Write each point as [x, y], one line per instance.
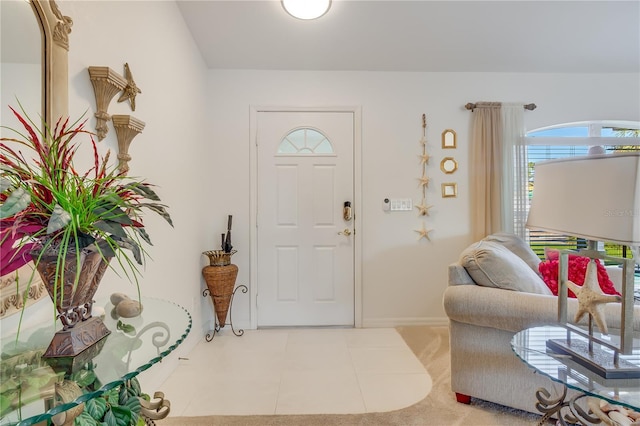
[127, 127]
[106, 83]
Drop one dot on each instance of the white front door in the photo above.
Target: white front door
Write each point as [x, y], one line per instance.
[305, 247]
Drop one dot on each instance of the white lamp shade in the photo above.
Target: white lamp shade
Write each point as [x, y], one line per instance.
[595, 197]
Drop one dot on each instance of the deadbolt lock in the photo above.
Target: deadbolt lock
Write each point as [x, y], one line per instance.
[347, 211]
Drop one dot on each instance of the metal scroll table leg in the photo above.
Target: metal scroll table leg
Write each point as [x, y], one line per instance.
[551, 407]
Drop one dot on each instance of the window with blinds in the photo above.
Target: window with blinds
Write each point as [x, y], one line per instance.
[569, 140]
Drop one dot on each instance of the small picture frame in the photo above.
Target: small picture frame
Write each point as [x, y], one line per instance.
[449, 190]
[448, 165]
[449, 139]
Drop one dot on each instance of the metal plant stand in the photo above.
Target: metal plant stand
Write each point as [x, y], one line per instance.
[220, 276]
[211, 334]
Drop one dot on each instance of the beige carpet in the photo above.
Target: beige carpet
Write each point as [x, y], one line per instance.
[439, 408]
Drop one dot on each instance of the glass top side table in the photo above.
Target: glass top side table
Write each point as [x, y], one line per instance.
[27, 381]
[530, 346]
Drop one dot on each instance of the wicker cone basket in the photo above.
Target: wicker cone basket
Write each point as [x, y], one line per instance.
[221, 281]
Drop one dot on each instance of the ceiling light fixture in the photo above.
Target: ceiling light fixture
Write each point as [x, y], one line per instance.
[306, 9]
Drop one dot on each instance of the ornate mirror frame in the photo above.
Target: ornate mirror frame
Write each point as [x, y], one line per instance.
[55, 29]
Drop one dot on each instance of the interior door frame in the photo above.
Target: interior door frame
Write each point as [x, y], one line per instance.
[357, 202]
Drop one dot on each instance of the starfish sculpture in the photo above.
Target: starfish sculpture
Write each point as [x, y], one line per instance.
[423, 233]
[423, 209]
[591, 300]
[423, 140]
[424, 159]
[424, 181]
[131, 90]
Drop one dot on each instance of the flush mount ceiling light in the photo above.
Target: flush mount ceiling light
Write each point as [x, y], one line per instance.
[306, 9]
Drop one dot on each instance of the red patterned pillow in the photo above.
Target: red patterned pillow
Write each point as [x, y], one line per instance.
[577, 270]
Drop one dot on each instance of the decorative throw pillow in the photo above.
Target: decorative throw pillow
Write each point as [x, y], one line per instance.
[577, 270]
[490, 264]
[518, 246]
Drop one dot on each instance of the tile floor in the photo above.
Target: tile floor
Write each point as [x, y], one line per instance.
[298, 371]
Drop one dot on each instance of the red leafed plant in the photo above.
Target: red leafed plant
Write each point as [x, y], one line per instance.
[46, 205]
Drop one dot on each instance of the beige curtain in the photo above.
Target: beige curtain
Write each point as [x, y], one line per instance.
[486, 169]
[498, 169]
[514, 189]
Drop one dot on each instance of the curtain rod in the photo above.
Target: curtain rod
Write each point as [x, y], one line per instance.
[529, 107]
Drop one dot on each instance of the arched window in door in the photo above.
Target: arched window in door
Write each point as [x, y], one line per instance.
[305, 141]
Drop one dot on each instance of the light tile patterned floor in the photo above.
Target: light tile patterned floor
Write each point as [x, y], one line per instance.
[298, 371]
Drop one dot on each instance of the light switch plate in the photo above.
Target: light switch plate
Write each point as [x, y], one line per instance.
[401, 204]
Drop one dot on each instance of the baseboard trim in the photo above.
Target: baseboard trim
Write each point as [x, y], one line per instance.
[399, 322]
[366, 323]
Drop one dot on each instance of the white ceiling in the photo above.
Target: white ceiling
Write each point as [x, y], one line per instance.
[420, 35]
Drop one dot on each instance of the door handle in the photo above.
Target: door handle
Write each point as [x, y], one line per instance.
[346, 232]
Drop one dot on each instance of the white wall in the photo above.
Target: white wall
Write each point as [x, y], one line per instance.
[173, 150]
[403, 279]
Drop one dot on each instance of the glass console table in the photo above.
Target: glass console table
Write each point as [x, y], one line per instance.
[530, 346]
[29, 384]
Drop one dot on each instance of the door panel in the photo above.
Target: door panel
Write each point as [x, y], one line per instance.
[305, 273]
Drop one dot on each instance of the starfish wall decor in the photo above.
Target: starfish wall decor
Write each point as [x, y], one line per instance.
[423, 233]
[423, 207]
[131, 90]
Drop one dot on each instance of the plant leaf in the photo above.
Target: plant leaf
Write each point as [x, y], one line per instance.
[16, 202]
[127, 328]
[134, 406]
[4, 184]
[111, 212]
[12, 259]
[122, 415]
[85, 419]
[58, 220]
[110, 227]
[123, 396]
[110, 418]
[143, 234]
[160, 209]
[111, 395]
[84, 378]
[106, 249]
[144, 190]
[96, 407]
[135, 385]
[128, 243]
[85, 240]
[5, 403]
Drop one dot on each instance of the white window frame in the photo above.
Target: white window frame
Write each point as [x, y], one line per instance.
[594, 139]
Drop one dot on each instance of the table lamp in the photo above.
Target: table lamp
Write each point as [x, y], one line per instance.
[595, 197]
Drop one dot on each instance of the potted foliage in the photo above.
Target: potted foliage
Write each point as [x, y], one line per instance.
[70, 224]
